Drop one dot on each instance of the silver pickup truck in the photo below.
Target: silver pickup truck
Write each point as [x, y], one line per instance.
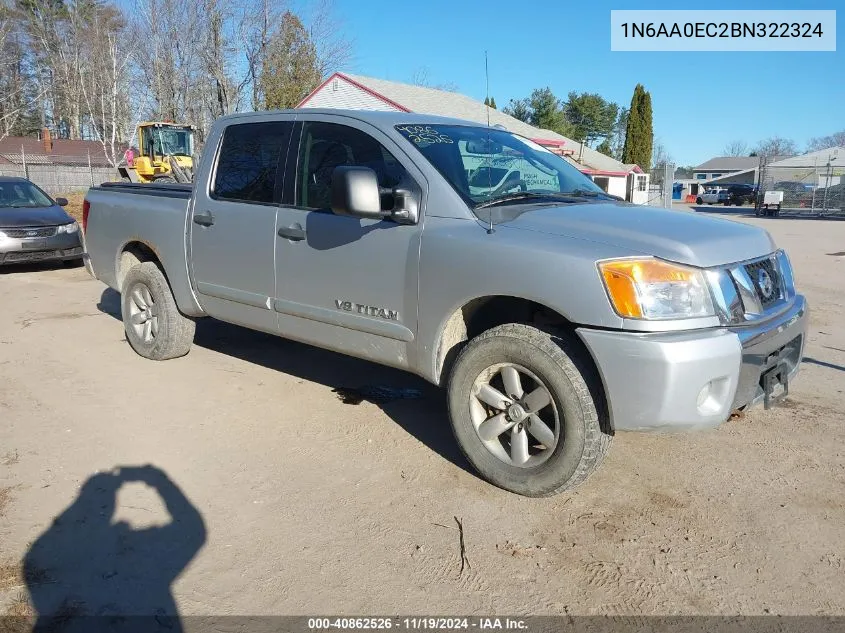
[553, 314]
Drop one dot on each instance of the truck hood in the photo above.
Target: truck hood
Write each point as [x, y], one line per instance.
[14, 217]
[679, 236]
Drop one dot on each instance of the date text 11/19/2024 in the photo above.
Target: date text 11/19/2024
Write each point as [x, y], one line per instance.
[417, 623]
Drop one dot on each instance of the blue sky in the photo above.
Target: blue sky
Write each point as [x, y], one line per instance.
[702, 101]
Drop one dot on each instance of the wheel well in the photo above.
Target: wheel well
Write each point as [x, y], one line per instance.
[134, 253]
[479, 315]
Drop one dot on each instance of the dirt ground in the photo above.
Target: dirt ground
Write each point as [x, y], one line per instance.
[286, 500]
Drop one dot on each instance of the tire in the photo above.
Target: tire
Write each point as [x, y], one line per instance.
[698, 200]
[165, 333]
[557, 364]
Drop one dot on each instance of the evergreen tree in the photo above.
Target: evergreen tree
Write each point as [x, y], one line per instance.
[493, 102]
[648, 130]
[639, 136]
[291, 67]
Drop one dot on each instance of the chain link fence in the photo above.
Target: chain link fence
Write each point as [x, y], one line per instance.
[58, 174]
[662, 177]
[817, 189]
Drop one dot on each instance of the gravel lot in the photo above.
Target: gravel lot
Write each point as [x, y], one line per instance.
[298, 503]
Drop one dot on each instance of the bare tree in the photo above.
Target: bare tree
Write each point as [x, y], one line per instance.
[256, 22]
[99, 67]
[776, 146]
[736, 148]
[334, 48]
[55, 47]
[15, 101]
[837, 139]
[174, 38]
[421, 77]
[107, 61]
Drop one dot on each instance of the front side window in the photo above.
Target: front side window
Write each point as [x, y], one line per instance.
[328, 145]
[489, 165]
[248, 161]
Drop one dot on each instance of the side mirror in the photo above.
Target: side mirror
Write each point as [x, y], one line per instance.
[62, 202]
[355, 192]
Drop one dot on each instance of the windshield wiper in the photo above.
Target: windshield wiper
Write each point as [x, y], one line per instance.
[522, 195]
[583, 193]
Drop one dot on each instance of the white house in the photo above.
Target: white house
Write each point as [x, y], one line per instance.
[346, 91]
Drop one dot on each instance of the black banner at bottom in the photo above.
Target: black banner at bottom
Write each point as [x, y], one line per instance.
[439, 624]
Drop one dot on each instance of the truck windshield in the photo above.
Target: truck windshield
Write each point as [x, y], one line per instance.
[487, 166]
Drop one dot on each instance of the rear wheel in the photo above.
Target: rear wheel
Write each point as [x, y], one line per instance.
[523, 412]
[154, 326]
[698, 200]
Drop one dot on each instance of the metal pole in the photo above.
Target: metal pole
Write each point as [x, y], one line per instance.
[826, 185]
[816, 183]
[23, 160]
[90, 171]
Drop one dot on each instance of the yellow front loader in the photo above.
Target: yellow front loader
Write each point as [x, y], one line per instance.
[164, 154]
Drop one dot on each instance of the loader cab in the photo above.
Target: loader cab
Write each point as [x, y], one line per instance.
[157, 140]
[164, 153]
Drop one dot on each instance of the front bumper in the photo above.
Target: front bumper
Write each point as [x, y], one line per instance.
[686, 380]
[57, 247]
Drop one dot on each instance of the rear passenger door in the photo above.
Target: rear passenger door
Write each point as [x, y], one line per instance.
[233, 223]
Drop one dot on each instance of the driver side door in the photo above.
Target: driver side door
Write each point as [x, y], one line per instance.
[345, 283]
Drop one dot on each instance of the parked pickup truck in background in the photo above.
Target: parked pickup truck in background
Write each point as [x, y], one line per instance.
[714, 196]
[552, 314]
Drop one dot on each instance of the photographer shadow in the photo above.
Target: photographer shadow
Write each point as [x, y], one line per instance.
[89, 573]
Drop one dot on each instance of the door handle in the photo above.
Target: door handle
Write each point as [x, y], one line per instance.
[294, 233]
[204, 219]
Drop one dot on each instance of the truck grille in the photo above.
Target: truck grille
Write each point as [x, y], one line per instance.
[41, 231]
[766, 279]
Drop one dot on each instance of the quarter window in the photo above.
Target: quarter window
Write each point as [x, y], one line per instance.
[249, 161]
[329, 145]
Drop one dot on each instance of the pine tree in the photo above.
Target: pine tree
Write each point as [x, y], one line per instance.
[493, 102]
[639, 136]
[648, 131]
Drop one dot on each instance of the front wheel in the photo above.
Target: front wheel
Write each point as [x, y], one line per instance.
[698, 200]
[523, 412]
[154, 326]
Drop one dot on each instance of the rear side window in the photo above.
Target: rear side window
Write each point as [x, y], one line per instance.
[249, 160]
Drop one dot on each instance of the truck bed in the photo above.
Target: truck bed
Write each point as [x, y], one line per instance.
[131, 216]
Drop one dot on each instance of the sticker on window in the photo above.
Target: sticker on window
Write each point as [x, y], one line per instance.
[423, 134]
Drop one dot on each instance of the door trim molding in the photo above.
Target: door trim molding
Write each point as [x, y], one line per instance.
[387, 329]
[233, 294]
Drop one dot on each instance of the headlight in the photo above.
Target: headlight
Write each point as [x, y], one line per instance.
[655, 289]
[2, 235]
[73, 227]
